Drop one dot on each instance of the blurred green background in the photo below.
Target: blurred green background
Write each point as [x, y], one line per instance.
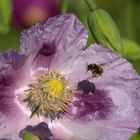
[15, 15]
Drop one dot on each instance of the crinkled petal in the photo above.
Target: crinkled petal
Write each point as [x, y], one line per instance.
[122, 86]
[11, 127]
[94, 130]
[11, 58]
[14, 75]
[52, 43]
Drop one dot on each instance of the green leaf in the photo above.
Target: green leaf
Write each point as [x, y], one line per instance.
[34, 111]
[131, 49]
[30, 136]
[104, 29]
[5, 15]
[135, 136]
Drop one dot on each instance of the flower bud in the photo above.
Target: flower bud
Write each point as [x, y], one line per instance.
[104, 29]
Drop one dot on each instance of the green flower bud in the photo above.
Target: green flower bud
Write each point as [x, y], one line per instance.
[104, 29]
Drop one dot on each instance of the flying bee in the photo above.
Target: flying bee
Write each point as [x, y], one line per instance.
[95, 69]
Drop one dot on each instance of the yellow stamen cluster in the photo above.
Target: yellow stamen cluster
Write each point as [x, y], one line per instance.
[49, 95]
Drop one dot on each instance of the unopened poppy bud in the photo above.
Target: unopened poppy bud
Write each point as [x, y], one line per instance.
[104, 29]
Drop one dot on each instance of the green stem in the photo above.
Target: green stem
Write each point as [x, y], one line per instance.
[64, 6]
[126, 19]
[91, 4]
[129, 18]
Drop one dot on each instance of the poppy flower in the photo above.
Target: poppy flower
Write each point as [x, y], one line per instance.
[81, 94]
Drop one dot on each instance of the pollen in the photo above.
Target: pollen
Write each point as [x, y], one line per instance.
[55, 88]
[49, 94]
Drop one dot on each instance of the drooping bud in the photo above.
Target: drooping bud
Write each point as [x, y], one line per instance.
[104, 29]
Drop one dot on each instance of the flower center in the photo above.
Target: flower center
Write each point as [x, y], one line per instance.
[48, 95]
[55, 88]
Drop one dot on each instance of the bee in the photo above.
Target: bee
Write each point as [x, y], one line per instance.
[95, 69]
